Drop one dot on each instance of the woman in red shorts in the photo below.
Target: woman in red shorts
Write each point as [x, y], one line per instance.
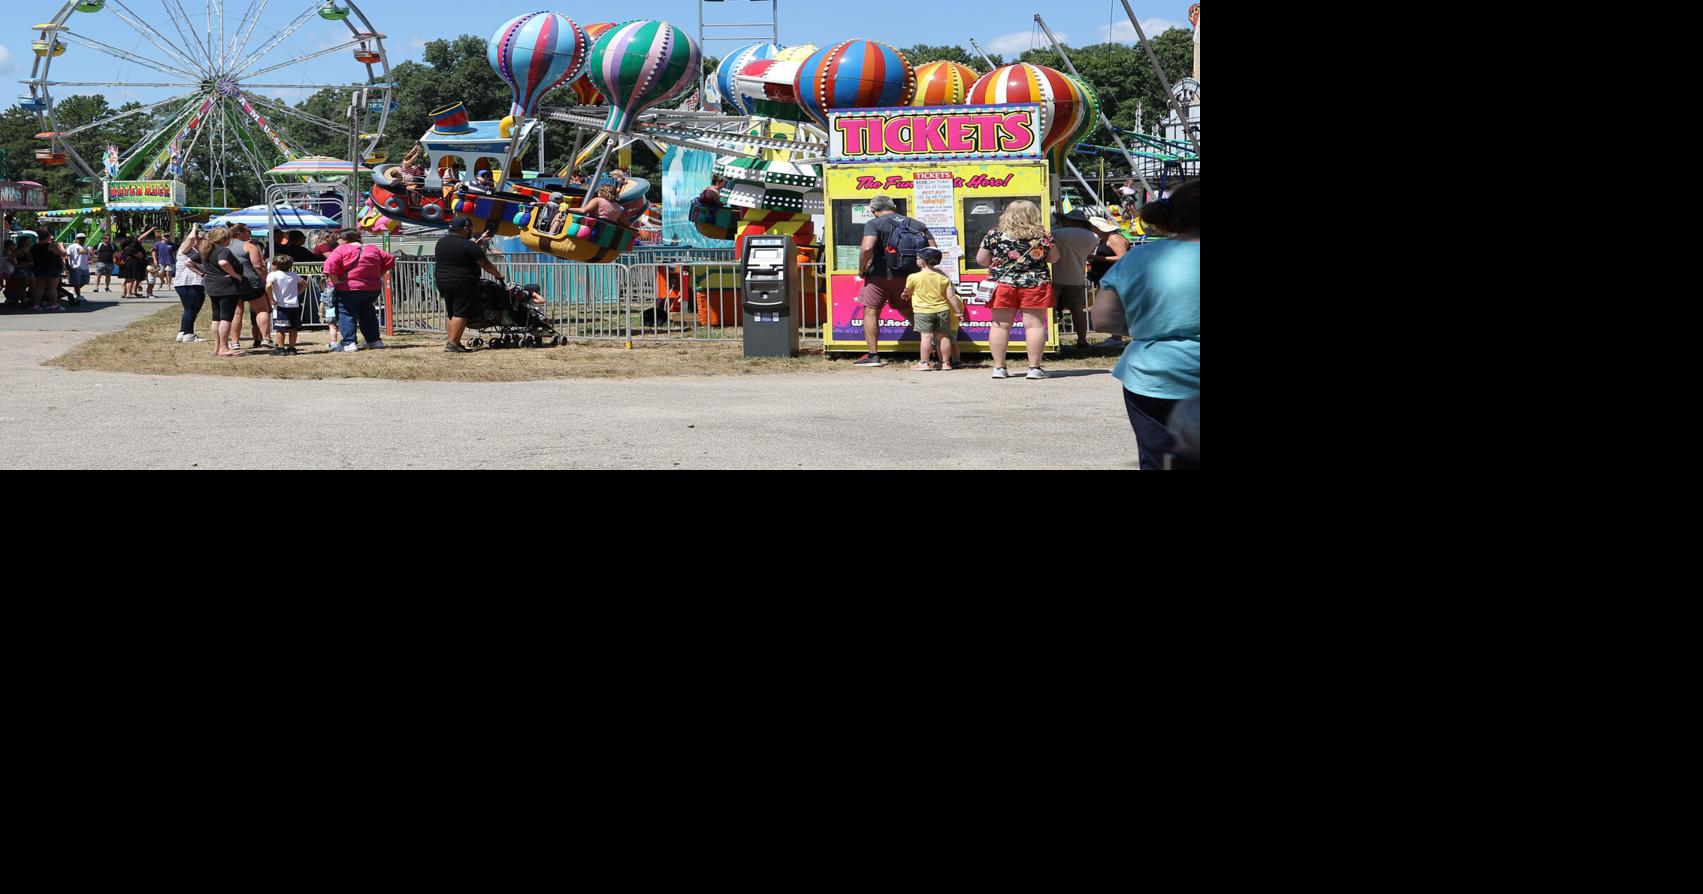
[1018, 253]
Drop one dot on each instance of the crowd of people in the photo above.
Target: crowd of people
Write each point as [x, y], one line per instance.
[1147, 296]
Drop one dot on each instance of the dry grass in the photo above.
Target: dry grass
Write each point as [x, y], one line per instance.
[146, 347]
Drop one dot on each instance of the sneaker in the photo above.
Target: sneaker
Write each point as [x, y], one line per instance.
[181, 337]
[346, 349]
[1000, 373]
[375, 345]
[194, 340]
[1036, 372]
[280, 352]
[455, 348]
[868, 360]
[267, 343]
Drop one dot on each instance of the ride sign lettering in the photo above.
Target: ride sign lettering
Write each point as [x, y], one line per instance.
[946, 133]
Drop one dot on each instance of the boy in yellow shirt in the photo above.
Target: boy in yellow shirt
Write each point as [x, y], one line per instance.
[933, 301]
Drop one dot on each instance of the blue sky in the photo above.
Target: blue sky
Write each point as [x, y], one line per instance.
[1001, 26]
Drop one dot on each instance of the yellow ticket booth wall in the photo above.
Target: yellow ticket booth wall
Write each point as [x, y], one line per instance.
[956, 169]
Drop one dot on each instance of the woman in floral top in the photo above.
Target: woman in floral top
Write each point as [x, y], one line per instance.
[1017, 255]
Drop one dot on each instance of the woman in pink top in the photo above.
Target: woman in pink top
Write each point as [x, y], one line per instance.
[358, 273]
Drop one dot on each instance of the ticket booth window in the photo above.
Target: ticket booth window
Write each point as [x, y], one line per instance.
[980, 216]
[849, 217]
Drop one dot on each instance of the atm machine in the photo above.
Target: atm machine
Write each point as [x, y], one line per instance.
[772, 282]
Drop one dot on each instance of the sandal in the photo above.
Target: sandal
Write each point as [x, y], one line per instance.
[922, 367]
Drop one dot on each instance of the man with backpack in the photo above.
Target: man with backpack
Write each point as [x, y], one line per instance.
[891, 242]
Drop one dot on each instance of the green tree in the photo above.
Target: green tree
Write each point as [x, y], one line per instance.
[922, 54]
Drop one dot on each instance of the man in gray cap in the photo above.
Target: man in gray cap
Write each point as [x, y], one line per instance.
[459, 261]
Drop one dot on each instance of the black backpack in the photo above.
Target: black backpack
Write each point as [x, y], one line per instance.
[903, 243]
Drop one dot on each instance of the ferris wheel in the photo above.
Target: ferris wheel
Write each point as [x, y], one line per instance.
[218, 70]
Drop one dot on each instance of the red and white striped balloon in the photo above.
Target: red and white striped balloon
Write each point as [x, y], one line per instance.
[1069, 109]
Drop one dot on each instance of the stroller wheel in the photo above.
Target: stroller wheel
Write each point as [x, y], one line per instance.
[478, 343]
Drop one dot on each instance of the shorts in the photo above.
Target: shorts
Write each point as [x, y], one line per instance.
[1014, 298]
[1071, 297]
[224, 307]
[79, 279]
[936, 322]
[881, 291]
[287, 319]
[461, 302]
[103, 269]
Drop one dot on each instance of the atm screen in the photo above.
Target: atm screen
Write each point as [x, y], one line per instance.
[767, 257]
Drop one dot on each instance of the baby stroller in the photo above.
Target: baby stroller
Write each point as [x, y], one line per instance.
[509, 319]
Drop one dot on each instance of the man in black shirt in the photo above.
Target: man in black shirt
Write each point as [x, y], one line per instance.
[104, 261]
[459, 261]
[295, 247]
[883, 283]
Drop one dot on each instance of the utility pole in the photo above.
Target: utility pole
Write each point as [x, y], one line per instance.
[357, 105]
[1164, 82]
[1116, 137]
[1067, 162]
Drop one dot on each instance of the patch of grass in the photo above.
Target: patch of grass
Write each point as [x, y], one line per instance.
[146, 347]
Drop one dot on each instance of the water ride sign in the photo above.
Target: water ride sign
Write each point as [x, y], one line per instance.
[145, 195]
[936, 134]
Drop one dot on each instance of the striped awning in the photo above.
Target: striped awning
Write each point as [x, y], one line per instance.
[314, 166]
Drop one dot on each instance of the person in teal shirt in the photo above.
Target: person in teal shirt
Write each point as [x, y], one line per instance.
[1153, 296]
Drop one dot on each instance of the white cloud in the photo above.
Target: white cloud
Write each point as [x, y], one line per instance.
[6, 66]
[418, 43]
[1019, 42]
[1124, 32]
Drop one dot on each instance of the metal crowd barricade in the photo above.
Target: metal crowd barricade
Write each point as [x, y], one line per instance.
[678, 299]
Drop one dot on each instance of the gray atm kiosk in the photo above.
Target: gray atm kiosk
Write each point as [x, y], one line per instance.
[771, 293]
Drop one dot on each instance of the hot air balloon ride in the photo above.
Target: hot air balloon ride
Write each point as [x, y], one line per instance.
[856, 74]
[944, 84]
[636, 66]
[1069, 108]
[584, 92]
[536, 53]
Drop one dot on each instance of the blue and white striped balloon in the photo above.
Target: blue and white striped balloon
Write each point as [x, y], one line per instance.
[734, 64]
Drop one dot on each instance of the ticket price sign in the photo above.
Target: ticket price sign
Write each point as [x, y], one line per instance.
[956, 169]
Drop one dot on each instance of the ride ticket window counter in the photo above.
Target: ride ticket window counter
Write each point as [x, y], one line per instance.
[955, 186]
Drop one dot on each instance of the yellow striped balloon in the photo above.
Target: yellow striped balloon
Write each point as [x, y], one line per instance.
[944, 84]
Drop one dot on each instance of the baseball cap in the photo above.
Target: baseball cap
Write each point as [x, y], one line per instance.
[80, 236]
[461, 223]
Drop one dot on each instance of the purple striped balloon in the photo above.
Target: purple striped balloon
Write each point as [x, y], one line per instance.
[536, 53]
[643, 64]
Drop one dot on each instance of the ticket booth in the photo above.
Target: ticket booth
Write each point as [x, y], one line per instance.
[954, 168]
